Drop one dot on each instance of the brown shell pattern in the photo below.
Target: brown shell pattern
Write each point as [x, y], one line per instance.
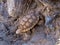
[28, 21]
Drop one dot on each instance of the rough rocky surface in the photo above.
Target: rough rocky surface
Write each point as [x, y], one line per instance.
[48, 33]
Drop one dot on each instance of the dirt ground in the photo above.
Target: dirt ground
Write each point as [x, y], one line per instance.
[48, 33]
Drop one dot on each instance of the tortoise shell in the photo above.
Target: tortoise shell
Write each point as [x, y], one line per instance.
[27, 22]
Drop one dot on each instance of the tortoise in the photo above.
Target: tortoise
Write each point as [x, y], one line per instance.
[28, 21]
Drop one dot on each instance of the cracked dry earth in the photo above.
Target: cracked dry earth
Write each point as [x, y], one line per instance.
[46, 34]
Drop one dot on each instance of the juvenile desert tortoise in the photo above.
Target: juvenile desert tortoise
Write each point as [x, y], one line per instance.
[28, 21]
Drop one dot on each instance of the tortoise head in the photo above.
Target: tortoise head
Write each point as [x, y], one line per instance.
[18, 31]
